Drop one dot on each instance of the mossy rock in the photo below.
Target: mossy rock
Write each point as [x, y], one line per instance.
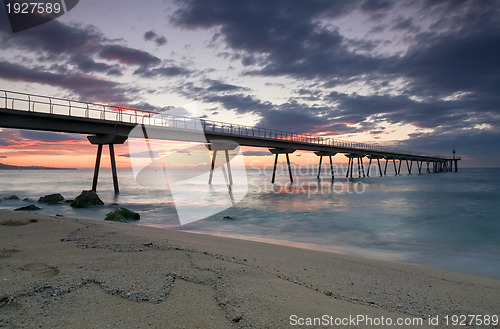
[122, 215]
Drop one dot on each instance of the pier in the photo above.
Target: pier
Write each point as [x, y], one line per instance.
[110, 125]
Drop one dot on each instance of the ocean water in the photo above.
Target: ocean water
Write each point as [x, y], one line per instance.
[445, 220]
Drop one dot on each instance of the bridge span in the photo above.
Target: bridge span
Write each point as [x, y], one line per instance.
[110, 125]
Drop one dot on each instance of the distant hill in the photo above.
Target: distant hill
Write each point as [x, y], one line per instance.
[10, 167]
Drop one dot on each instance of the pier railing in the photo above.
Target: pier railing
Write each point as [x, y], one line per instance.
[60, 106]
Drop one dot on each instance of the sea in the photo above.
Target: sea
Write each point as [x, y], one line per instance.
[447, 220]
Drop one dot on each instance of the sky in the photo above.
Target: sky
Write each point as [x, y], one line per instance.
[418, 75]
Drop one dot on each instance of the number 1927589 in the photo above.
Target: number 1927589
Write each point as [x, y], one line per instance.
[471, 320]
[33, 7]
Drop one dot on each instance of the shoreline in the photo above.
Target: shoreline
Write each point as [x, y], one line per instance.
[95, 270]
[382, 255]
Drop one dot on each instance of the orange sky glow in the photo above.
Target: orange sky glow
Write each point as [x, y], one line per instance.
[81, 154]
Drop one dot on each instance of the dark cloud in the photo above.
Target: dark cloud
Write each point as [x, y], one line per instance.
[152, 36]
[285, 38]
[375, 6]
[219, 86]
[478, 148]
[73, 57]
[240, 103]
[115, 72]
[292, 116]
[160, 41]
[58, 39]
[58, 68]
[88, 87]
[450, 72]
[49, 137]
[128, 55]
[87, 64]
[432, 113]
[404, 24]
[282, 37]
[166, 71]
[257, 153]
[454, 63]
[55, 38]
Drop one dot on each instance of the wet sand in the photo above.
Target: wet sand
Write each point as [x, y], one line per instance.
[60, 272]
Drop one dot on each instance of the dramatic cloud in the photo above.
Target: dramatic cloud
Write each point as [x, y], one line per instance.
[73, 57]
[88, 87]
[257, 153]
[87, 64]
[282, 37]
[219, 86]
[449, 72]
[128, 55]
[152, 36]
[241, 103]
[54, 38]
[166, 71]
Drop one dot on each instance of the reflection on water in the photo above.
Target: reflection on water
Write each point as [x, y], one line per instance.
[447, 220]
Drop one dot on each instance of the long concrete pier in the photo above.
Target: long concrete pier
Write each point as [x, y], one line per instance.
[110, 125]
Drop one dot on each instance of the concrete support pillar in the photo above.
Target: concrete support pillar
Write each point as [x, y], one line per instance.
[374, 157]
[110, 140]
[226, 146]
[321, 154]
[96, 168]
[276, 152]
[350, 166]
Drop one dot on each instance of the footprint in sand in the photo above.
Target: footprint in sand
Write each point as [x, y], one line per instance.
[41, 270]
[18, 222]
[4, 253]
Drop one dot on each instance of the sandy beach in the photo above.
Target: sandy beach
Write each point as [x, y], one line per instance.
[58, 272]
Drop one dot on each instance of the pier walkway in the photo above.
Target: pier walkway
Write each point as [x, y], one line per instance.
[108, 124]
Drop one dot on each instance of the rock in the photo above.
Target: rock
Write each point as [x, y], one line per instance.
[12, 197]
[122, 215]
[227, 217]
[27, 200]
[85, 199]
[27, 208]
[51, 198]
